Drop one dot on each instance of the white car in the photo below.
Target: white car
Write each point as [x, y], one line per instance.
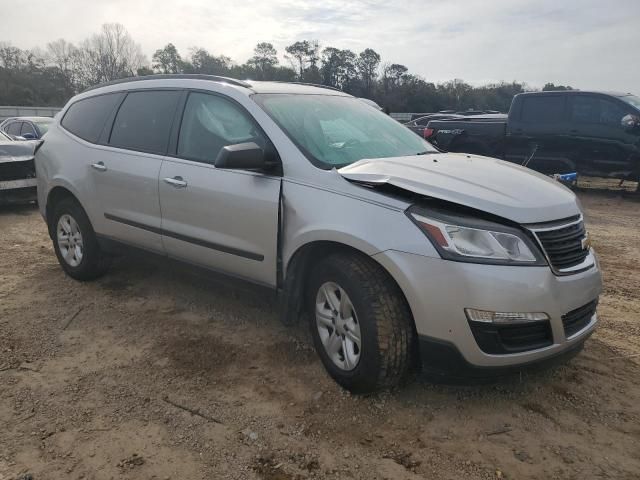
[17, 170]
[399, 254]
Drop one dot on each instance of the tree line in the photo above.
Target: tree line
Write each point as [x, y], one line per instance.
[50, 76]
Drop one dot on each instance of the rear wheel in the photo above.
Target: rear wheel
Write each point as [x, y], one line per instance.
[75, 242]
[361, 325]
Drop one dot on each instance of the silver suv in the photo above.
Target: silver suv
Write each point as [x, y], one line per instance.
[401, 255]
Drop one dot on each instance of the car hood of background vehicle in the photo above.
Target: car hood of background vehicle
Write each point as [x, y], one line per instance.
[16, 151]
[494, 186]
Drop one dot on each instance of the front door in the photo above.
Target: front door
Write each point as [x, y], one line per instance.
[601, 145]
[537, 135]
[226, 220]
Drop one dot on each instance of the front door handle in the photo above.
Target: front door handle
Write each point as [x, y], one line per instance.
[177, 182]
[100, 166]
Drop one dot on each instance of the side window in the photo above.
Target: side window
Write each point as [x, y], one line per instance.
[86, 118]
[211, 122]
[27, 128]
[585, 109]
[611, 113]
[543, 109]
[596, 111]
[144, 121]
[14, 128]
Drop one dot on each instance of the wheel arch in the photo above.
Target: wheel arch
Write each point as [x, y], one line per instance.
[55, 196]
[302, 261]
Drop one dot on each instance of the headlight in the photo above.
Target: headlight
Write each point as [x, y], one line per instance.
[468, 239]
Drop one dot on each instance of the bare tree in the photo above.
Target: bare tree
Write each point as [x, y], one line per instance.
[11, 57]
[109, 55]
[65, 57]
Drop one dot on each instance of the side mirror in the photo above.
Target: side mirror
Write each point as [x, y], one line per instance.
[247, 156]
[630, 122]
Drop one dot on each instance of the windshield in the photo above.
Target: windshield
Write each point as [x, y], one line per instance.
[335, 131]
[43, 125]
[632, 100]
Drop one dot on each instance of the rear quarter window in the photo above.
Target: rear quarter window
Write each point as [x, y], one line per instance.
[543, 109]
[86, 118]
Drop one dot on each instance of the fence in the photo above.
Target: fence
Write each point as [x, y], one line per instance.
[6, 112]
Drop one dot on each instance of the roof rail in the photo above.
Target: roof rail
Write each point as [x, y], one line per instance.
[319, 85]
[193, 76]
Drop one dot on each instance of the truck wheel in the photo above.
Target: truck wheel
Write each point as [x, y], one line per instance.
[361, 325]
[75, 242]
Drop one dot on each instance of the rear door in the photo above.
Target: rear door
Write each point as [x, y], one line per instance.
[226, 220]
[126, 173]
[538, 134]
[601, 146]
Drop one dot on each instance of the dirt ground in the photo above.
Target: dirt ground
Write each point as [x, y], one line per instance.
[153, 372]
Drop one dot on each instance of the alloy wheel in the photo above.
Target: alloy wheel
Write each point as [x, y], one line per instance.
[338, 326]
[70, 240]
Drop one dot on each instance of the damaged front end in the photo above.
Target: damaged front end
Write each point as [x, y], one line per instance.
[495, 187]
[17, 172]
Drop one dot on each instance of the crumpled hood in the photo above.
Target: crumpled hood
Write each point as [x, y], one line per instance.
[494, 186]
[17, 151]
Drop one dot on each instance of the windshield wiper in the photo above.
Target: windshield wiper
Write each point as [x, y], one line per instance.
[426, 152]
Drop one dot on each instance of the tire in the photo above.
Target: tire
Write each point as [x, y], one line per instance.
[378, 311]
[91, 263]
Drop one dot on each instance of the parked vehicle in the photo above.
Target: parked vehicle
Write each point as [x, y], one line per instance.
[17, 170]
[419, 125]
[27, 128]
[592, 133]
[463, 113]
[396, 251]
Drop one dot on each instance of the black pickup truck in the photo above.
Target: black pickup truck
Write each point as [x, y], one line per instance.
[592, 133]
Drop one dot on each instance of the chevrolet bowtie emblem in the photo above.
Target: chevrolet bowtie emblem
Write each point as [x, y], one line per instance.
[586, 242]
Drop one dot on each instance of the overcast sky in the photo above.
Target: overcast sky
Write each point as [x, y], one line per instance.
[589, 44]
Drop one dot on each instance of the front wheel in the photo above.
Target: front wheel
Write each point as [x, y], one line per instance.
[360, 323]
[75, 242]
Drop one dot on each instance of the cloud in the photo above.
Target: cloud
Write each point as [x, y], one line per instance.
[586, 43]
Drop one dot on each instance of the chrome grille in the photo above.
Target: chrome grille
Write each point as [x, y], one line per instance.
[565, 245]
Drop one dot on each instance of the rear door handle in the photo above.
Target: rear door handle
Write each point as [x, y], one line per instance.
[100, 166]
[177, 182]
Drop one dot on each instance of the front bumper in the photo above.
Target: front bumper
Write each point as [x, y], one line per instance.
[439, 290]
[18, 191]
[17, 184]
[443, 362]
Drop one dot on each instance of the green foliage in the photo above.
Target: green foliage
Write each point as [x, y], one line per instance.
[550, 87]
[51, 78]
[167, 60]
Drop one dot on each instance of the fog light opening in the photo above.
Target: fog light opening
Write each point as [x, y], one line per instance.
[488, 316]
